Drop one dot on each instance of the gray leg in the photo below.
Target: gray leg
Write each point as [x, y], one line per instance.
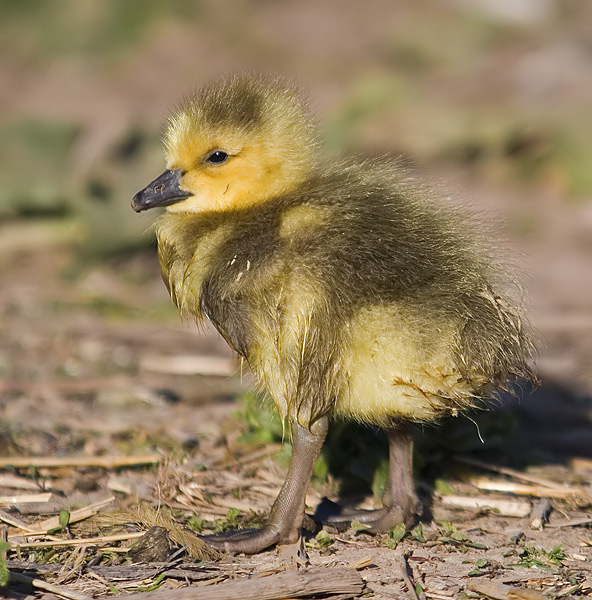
[399, 500]
[287, 512]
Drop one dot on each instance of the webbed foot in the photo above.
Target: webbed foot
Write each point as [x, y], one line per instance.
[247, 541]
[400, 502]
[375, 521]
[287, 513]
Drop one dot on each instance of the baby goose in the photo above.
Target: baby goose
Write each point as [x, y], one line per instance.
[346, 289]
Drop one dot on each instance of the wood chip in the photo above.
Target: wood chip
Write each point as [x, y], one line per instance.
[289, 584]
[361, 563]
[520, 489]
[108, 462]
[79, 541]
[188, 364]
[572, 523]
[509, 472]
[15, 522]
[19, 483]
[407, 577]
[439, 594]
[500, 591]
[540, 514]
[581, 464]
[58, 590]
[506, 508]
[75, 516]
[25, 499]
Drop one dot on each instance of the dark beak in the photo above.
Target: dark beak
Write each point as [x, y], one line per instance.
[163, 191]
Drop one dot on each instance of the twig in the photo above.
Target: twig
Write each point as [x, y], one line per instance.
[289, 584]
[268, 450]
[406, 578]
[581, 464]
[540, 514]
[361, 563]
[128, 573]
[73, 566]
[79, 541]
[75, 516]
[521, 489]
[38, 568]
[15, 522]
[18, 483]
[500, 591]
[108, 462]
[509, 472]
[184, 571]
[188, 364]
[507, 508]
[439, 595]
[25, 499]
[65, 385]
[108, 584]
[572, 523]
[48, 587]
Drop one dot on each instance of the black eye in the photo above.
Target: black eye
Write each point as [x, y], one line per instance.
[217, 157]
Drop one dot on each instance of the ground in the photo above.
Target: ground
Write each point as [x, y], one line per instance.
[95, 363]
[99, 366]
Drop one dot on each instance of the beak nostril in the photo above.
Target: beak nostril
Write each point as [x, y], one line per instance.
[163, 191]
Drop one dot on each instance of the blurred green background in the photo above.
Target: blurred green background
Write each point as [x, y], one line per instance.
[492, 96]
[500, 88]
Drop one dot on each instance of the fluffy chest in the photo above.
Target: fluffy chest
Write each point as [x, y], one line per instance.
[185, 262]
[219, 270]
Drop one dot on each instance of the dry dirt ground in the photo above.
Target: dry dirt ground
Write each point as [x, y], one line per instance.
[97, 365]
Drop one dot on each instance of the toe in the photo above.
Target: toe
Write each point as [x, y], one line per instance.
[247, 541]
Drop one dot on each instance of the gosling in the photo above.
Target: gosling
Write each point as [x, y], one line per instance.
[348, 290]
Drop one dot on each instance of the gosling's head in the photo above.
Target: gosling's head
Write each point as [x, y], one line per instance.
[235, 143]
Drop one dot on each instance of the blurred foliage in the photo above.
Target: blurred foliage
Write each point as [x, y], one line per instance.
[234, 520]
[420, 87]
[39, 179]
[395, 535]
[85, 28]
[4, 574]
[34, 177]
[105, 195]
[538, 558]
[574, 157]
[365, 105]
[262, 422]
[521, 150]
[41, 174]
